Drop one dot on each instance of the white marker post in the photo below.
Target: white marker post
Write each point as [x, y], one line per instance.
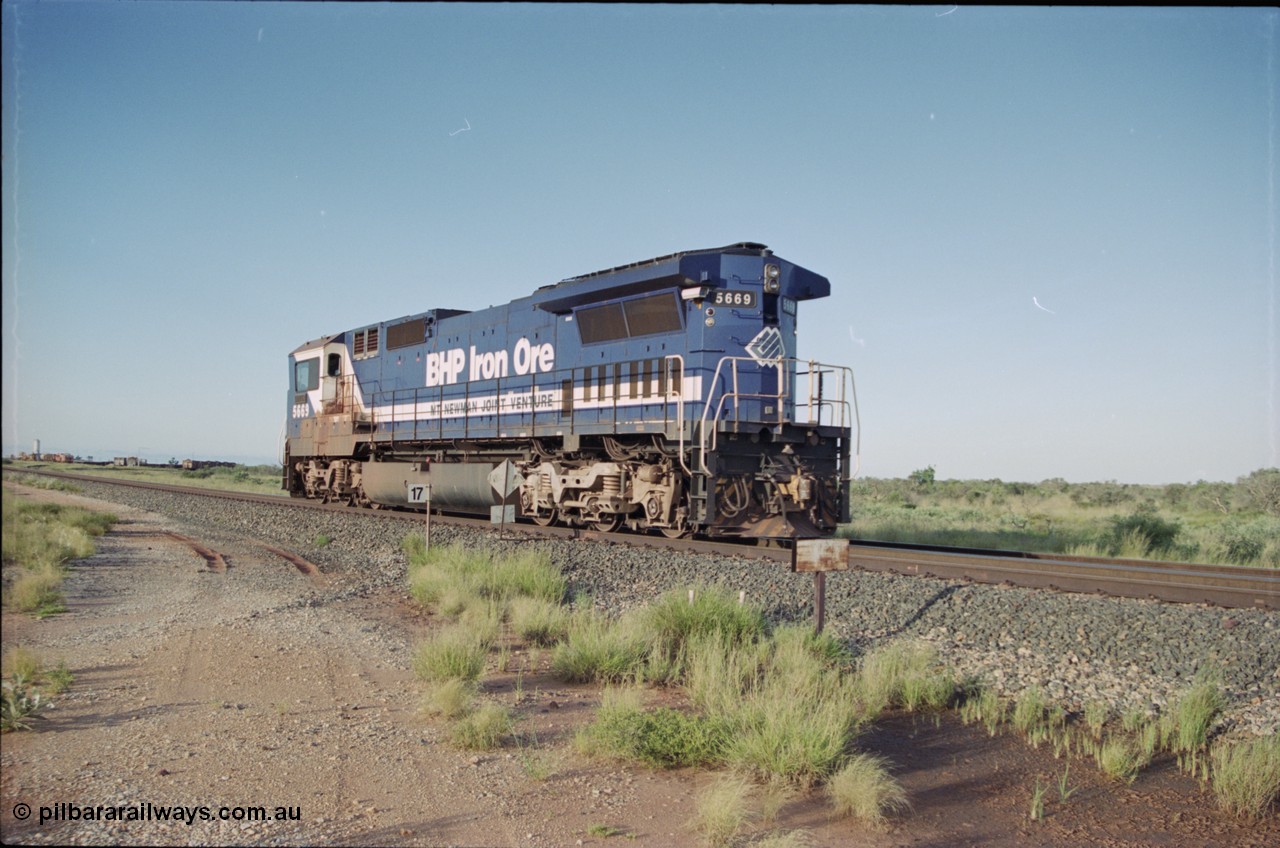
[420, 494]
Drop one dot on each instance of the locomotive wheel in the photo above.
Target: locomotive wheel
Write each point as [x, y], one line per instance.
[544, 519]
[674, 532]
[609, 523]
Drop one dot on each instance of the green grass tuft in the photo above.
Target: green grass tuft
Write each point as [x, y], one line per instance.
[452, 653]
[482, 729]
[1246, 776]
[662, 738]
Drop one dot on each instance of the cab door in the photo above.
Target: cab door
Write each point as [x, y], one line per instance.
[333, 378]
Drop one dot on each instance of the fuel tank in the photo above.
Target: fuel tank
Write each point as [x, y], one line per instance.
[460, 486]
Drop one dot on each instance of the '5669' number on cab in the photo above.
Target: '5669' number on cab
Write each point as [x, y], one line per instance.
[727, 297]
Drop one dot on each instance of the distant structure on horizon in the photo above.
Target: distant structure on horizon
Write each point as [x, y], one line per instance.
[196, 464]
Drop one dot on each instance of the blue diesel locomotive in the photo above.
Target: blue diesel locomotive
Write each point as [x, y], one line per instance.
[662, 395]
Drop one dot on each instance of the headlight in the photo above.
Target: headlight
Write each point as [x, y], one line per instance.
[772, 279]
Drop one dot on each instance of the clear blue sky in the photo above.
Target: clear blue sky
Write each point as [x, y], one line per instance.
[1050, 233]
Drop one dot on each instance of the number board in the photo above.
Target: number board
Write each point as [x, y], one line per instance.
[417, 493]
[820, 555]
[734, 297]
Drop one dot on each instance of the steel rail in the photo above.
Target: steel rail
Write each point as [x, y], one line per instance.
[1226, 586]
[1178, 582]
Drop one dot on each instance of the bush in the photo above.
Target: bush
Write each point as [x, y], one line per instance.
[1154, 533]
[1262, 488]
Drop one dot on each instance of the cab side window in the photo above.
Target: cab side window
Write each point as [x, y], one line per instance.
[306, 375]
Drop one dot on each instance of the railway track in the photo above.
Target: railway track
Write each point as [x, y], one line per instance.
[1175, 582]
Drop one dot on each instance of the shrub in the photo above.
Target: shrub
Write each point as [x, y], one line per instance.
[1143, 529]
[1263, 490]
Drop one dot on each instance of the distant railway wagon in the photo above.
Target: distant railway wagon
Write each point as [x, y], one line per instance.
[663, 395]
[198, 464]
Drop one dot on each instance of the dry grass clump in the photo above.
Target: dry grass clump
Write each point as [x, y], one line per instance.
[539, 621]
[722, 810]
[38, 540]
[982, 704]
[482, 729]
[452, 698]
[865, 790]
[1121, 758]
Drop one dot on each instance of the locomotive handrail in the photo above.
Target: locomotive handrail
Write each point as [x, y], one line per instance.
[815, 406]
[679, 399]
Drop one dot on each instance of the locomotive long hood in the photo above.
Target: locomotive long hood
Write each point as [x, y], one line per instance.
[687, 269]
